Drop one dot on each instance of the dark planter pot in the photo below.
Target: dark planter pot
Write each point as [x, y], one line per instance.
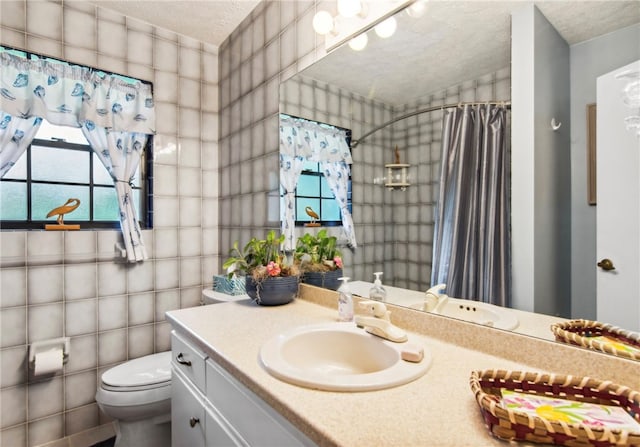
[272, 291]
[327, 280]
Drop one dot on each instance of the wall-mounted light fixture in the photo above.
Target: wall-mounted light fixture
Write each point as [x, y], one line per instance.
[324, 23]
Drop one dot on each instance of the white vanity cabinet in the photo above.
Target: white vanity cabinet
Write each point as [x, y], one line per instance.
[209, 407]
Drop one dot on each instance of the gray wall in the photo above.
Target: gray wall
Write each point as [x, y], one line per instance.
[588, 61]
[540, 165]
[394, 228]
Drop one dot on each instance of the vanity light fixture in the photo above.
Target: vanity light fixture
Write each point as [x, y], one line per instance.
[323, 23]
[350, 8]
[386, 28]
[417, 9]
[359, 42]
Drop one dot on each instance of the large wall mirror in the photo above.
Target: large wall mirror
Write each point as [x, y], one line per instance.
[454, 52]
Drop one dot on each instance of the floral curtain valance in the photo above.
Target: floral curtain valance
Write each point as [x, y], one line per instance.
[313, 141]
[70, 95]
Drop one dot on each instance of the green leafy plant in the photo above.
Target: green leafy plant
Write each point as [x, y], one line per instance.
[318, 253]
[260, 258]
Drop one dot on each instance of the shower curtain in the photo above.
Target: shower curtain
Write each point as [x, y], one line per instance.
[471, 247]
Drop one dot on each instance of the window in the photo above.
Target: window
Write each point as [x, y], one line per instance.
[59, 164]
[314, 191]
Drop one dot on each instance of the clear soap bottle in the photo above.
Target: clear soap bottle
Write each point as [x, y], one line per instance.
[345, 301]
[377, 292]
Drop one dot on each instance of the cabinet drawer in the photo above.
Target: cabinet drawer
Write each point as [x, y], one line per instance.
[256, 422]
[187, 415]
[189, 360]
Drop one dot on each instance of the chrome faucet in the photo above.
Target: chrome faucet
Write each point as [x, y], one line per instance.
[378, 322]
[434, 298]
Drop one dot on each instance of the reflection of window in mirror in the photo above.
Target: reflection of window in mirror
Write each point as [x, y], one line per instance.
[315, 161]
[591, 154]
[313, 191]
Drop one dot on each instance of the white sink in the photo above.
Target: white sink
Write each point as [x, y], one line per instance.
[339, 357]
[475, 312]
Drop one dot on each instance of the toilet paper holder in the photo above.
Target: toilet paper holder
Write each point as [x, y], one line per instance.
[46, 345]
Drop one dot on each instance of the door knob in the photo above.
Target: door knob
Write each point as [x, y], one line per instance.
[193, 421]
[606, 264]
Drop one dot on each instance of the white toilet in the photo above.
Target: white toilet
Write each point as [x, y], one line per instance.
[137, 394]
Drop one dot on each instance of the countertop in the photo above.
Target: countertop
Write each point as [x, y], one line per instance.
[437, 409]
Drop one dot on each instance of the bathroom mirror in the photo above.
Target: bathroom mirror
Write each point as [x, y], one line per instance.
[457, 51]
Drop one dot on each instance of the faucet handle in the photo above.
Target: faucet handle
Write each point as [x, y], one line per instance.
[375, 308]
[437, 289]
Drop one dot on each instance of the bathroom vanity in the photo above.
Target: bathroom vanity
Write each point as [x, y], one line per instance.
[222, 394]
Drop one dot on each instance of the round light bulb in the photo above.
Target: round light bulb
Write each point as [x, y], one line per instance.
[322, 22]
[386, 28]
[359, 42]
[417, 9]
[349, 8]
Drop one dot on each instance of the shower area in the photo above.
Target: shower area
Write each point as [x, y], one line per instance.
[394, 228]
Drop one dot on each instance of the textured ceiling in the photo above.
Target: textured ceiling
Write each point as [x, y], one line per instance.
[453, 42]
[456, 41]
[208, 21]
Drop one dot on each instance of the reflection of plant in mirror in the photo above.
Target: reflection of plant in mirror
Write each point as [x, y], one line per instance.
[261, 258]
[318, 253]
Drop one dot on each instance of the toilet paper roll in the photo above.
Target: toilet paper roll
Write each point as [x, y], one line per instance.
[47, 362]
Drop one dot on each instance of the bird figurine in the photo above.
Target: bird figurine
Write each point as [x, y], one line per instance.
[68, 207]
[313, 215]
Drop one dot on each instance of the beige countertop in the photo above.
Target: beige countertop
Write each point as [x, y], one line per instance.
[438, 409]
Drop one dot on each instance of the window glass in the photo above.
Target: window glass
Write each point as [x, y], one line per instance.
[325, 190]
[330, 210]
[19, 169]
[100, 174]
[49, 163]
[52, 132]
[12, 203]
[105, 204]
[46, 197]
[310, 166]
[301, 204]
[308, 185]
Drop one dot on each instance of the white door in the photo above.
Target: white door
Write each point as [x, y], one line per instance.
[618, 198]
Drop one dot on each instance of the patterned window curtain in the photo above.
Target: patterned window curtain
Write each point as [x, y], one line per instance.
[16, 134]
[120, 153]
[290, 169]
[337, 175]
[69, 95]
[471, 250]
[302, 140]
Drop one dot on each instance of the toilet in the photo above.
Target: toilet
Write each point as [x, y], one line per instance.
[137, 394]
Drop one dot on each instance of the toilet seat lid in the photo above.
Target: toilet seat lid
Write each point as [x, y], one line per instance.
[148, 370]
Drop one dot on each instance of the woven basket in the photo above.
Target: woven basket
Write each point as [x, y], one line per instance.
[582, 333]
[511, 425]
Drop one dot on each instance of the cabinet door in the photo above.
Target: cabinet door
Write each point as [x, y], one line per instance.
[218, 432]
[252, 418]
[187, 415]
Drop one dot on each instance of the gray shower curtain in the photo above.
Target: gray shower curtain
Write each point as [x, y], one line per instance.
[471, 247]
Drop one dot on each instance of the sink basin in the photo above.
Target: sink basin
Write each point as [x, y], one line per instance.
[475, 312]
[339, 357]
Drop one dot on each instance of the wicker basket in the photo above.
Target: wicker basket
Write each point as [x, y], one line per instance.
[583, 333]
[511, 425]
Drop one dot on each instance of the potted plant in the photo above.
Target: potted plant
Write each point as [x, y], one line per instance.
[270, 280]
[320, 259]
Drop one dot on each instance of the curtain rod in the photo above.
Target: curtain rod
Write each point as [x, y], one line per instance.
[355, 143]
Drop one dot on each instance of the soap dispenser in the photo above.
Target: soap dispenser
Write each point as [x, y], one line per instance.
[345, 301]
[377, 292]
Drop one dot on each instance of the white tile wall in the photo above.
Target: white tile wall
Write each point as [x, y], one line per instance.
[56, 284]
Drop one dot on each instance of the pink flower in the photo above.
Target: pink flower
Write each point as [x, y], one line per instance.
[273, 269]
[338, 261]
